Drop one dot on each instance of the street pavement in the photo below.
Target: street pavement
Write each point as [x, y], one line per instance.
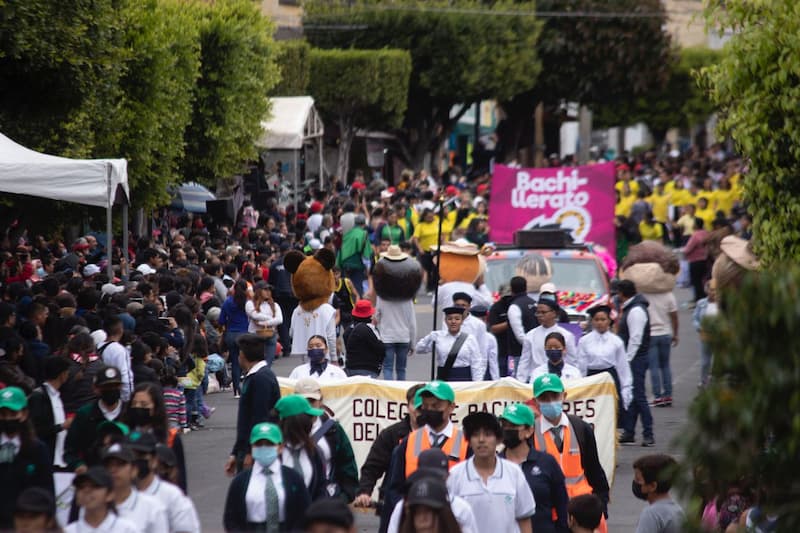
[207, 449]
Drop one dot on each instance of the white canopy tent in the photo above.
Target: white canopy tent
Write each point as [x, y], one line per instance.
[95, 182]
[294, 121]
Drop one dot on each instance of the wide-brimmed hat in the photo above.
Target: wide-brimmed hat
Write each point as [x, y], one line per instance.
[459, 247]
[394, 253]
[363, 309]
[740, 252]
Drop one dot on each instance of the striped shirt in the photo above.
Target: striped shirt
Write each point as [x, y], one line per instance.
[175, 404]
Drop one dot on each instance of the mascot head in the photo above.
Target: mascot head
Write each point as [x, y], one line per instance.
[396, 276]
[735, 260]
[312, 277]
[651, 266]
[460, 261]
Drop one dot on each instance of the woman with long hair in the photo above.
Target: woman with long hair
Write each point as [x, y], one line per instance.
[427, 509]
[147, 412]
[265, 316]
[300, 452]
[236, 322]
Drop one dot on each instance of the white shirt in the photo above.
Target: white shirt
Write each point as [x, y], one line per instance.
[110, 414]
[490, 349]
[546, 425]
[145, 511]
[331, 373]
[637, 320]
[305, 324]
[262, 316]
[322, 446]
[111, 524]
[600, 351]
[181, 513]
[396, 320]
[515, 322]
[117, 355]
[256, 496]
[533, 355]
[58, 418]
[305, 463]
[567, 372]
[660, 308]
[256, 367]
[480, 296]
[497, 504]
[470, 354]
[461, 510]
[314, 222]
[15, 440]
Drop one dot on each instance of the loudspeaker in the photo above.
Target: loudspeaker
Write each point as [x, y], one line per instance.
[543, 238]
[221, 210]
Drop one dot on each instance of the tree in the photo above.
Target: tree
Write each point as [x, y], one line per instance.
[237, 71]
[745, 428]
[359, 89]
[158, 86]
[462, 51]
[613, 57]
[756, 86]
[293, 63]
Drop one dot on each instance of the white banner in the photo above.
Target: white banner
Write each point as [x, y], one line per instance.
[365, 406]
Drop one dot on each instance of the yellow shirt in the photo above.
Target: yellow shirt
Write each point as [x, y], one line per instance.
[426, 233]
[634, 186]
[680, 197]
[467, 219]
[623, 207]
[651, 232]
[724, 200]
[659, 203]
[707, 215]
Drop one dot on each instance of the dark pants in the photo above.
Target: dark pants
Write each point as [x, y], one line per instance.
[639, 406]
[697, 275]
[360, 372]
[358, 276]
[426, 260]
[613, 372]
[287, 303]
[233, 356]
[461, 373]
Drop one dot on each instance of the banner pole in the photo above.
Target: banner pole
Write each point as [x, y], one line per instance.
[435, 273]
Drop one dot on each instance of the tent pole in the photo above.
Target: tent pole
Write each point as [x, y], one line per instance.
[109, 214]
[124, 272]
[296, 186]
[321, 166]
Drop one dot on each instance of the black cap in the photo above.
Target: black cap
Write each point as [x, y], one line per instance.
[453, 310]
[548, 301]
[118, 451]
[462, 296]
[108, 375]
[433, 458]
[334, 512]
[97, 475]
[428, 491]
[261, 285]
[166, 455]
[479, 311]
[142, 441]
[481, 420]
[599, 309]
[36, 500]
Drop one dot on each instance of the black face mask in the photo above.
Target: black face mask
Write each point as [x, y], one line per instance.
[431, 418]
[142, 468]
[139, 417]
[636, 488]
[110, 396]
[10, 427]
[511, 438]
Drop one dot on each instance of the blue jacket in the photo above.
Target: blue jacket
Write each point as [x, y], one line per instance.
[297, 500]
[234, 318]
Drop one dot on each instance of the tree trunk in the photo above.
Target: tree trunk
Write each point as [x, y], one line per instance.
[347, 132]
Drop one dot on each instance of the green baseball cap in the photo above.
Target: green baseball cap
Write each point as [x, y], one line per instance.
[266, 431]
[547, 383]
[518, 414]
[437, 389]
[293, 405]
[13, 398]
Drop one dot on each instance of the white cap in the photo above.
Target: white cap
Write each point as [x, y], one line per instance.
[90, 270]
[98, 336]
[110, 288]
[548, 287]
[146, 269]
[315, 244]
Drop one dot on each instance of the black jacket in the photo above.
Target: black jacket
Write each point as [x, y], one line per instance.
[40, 410]
[590, 461]
[365, 351]
[260, 393]
[380, 455]
[79, 388]
[30, 468]
[144, 374]
[295, 505]
[81, 446]
[637, 301]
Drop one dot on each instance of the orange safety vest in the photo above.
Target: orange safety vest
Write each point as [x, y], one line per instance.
[455, 447]
[569, 459]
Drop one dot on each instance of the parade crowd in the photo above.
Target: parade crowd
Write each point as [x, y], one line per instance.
[103, 376]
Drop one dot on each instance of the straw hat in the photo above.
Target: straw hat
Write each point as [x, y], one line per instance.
[739, 251]
[394, 253]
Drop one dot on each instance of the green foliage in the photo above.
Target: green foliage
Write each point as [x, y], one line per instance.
[757, 86]
[237, 71]
[462, 51]
[359, 89]
[293, 63]
[158, 86]
[746, 426]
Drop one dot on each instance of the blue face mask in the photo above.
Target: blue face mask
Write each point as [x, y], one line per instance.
[316, 355]
[554, 355]
[551, 410]
[265, 455]
[40, 272]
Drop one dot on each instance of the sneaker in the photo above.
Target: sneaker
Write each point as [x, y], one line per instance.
[627, 438]
[235, 395]
[666, 401]
[656, 402]
[648, 442]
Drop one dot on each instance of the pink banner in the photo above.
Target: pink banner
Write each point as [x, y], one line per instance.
[580, 199]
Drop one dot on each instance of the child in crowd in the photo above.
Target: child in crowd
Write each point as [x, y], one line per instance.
[651, 482]
[174, 400]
